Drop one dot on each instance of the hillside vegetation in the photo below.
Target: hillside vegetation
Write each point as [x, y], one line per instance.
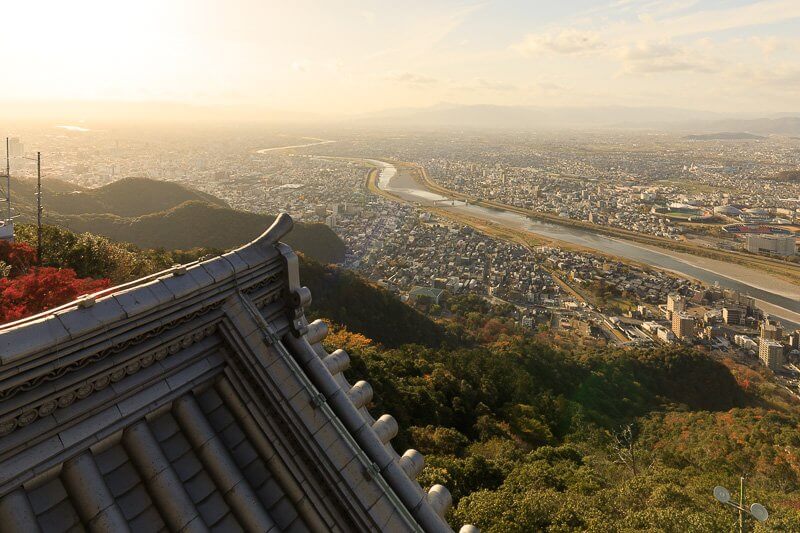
[158, 214]
[532, 438]
[345, 298]
[129, 197]
[198, 224]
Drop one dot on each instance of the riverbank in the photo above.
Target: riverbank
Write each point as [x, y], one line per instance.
[734, 271]
[401, 182]
[753, 263]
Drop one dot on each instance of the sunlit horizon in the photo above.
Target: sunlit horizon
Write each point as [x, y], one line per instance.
[247, 59]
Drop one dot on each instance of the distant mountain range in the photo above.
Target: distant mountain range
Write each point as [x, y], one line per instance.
[725, 136]
[446, 116]
[159, 214]
[529, 117]
[762, 126]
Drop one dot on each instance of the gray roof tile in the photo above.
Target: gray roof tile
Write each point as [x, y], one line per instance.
[180, 488]
[41, 334]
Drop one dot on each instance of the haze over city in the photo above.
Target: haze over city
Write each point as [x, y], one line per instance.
[475, 266]
[275, 60]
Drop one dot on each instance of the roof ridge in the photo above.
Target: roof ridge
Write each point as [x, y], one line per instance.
[86, 372]
[282, 225]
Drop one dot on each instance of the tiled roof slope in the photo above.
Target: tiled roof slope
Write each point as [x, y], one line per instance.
[199, 399]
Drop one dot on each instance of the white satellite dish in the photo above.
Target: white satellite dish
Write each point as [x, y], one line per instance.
[722, 494]
[759, 512]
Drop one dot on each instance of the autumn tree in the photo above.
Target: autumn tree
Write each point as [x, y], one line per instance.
[42, 288]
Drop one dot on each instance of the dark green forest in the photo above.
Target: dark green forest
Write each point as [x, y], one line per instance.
[532, 438]
[159, 214]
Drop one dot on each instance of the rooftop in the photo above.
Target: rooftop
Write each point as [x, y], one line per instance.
[198, 399]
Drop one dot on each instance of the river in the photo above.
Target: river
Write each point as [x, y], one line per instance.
[783, 303]
[315, 143]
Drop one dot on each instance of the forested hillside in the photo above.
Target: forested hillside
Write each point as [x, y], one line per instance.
[198, 224]
[158, 214]
[526, 435]
[127, 197]
[531, 438]
[345, 298]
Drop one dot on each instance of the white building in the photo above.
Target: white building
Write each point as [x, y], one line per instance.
[665, 335]
[675, 304]
[743, 341]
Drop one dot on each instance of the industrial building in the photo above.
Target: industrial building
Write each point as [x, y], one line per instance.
[783, 245]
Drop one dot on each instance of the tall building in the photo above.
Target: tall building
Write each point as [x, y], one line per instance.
[675, 304]
[683, 326]
[198, 400]
[784, 245]
[771, 354]
[739, 300]
[733, 315]
[771, 330]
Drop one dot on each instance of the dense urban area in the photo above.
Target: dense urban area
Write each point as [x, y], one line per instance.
[721, 193]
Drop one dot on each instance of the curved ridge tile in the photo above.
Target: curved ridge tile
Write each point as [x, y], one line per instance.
[282, 225]
[337, 362]
[386, 428]
[412, 463]
[440, 499]
[317, 331]
[360, 394]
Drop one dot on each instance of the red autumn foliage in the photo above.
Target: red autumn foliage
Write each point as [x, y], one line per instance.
[42, 288]
[19, 256]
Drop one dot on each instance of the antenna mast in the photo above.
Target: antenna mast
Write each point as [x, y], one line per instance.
[8, 178]
[39, 208]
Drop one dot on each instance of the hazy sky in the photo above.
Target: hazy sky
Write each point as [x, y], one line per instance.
[342, 56]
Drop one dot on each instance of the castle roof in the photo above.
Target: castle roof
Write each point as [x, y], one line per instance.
[198, 399]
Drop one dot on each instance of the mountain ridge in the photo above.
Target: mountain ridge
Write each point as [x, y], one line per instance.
[198, 224]
[158, 214]
[522, 117]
